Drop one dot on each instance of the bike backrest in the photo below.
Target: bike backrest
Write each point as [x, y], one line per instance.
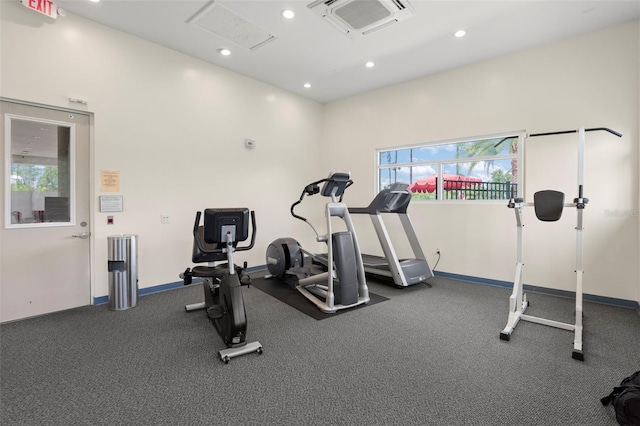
[210, 239]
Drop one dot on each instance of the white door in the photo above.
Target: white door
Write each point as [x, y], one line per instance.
[44, 245]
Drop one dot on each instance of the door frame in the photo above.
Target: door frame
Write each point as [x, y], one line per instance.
[92, 197]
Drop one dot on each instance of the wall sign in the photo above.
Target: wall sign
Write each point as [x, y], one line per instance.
[111, 203]
[109, 181]
[46, 7]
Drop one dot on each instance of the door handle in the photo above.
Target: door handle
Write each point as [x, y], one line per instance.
[82, 235]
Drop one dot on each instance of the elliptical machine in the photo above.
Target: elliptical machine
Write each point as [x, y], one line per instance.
[223, 302]
[343, 285]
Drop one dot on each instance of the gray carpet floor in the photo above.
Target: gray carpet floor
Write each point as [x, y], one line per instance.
[426, 356]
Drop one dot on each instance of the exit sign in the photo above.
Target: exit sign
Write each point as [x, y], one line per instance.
[46, 7]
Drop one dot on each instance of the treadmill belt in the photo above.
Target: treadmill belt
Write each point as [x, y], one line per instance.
[375, 261]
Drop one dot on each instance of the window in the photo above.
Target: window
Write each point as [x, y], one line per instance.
[40, 172]
[483, 168]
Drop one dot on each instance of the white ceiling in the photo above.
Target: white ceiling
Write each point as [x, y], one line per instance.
[309, 49]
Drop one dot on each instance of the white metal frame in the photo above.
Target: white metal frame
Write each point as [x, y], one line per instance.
[518, 300]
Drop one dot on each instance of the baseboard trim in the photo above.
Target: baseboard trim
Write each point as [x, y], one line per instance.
[101, 300]
[543, 290]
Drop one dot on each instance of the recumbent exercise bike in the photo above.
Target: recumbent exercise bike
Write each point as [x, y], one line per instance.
[214, 242]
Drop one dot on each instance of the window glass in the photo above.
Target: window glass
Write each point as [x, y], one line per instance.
[481, 169]
[40, 172]
[395, 157]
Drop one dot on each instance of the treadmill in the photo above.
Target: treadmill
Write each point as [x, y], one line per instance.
[402, 272]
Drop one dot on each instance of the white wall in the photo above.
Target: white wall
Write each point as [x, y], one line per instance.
[174, 127]
[589, 81]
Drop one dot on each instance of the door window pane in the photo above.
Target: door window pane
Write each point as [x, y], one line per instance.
[40, 172]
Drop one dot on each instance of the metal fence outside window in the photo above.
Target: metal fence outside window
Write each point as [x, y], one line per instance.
[478, 190]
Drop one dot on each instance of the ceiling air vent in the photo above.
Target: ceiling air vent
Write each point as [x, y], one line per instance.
[227, 24]
[357, 18]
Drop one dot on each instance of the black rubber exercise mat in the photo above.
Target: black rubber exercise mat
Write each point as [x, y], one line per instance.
[292, 297]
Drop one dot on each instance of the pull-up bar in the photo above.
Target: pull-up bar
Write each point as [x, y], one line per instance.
[562, 132]
[581, 132]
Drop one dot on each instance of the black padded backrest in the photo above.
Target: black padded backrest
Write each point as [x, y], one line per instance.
[548, 205]
[198, 256]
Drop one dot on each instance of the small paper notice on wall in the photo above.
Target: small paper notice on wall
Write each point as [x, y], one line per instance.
[109, 181]
[110, 203]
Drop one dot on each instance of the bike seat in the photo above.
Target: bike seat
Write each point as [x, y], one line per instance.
[209, 271]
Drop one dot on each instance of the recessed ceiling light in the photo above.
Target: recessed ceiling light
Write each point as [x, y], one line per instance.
[369, 64]
[307, 85]
[224, 52]
[460, 33]
[95, 1]
[288, 14]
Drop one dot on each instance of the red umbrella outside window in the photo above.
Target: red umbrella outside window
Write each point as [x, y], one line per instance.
[450, 182]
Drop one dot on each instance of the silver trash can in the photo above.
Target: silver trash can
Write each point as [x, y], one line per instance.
[122, 264]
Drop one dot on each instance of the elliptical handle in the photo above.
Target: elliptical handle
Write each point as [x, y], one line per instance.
[349, 183]
[310, 189]
[293, 213]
